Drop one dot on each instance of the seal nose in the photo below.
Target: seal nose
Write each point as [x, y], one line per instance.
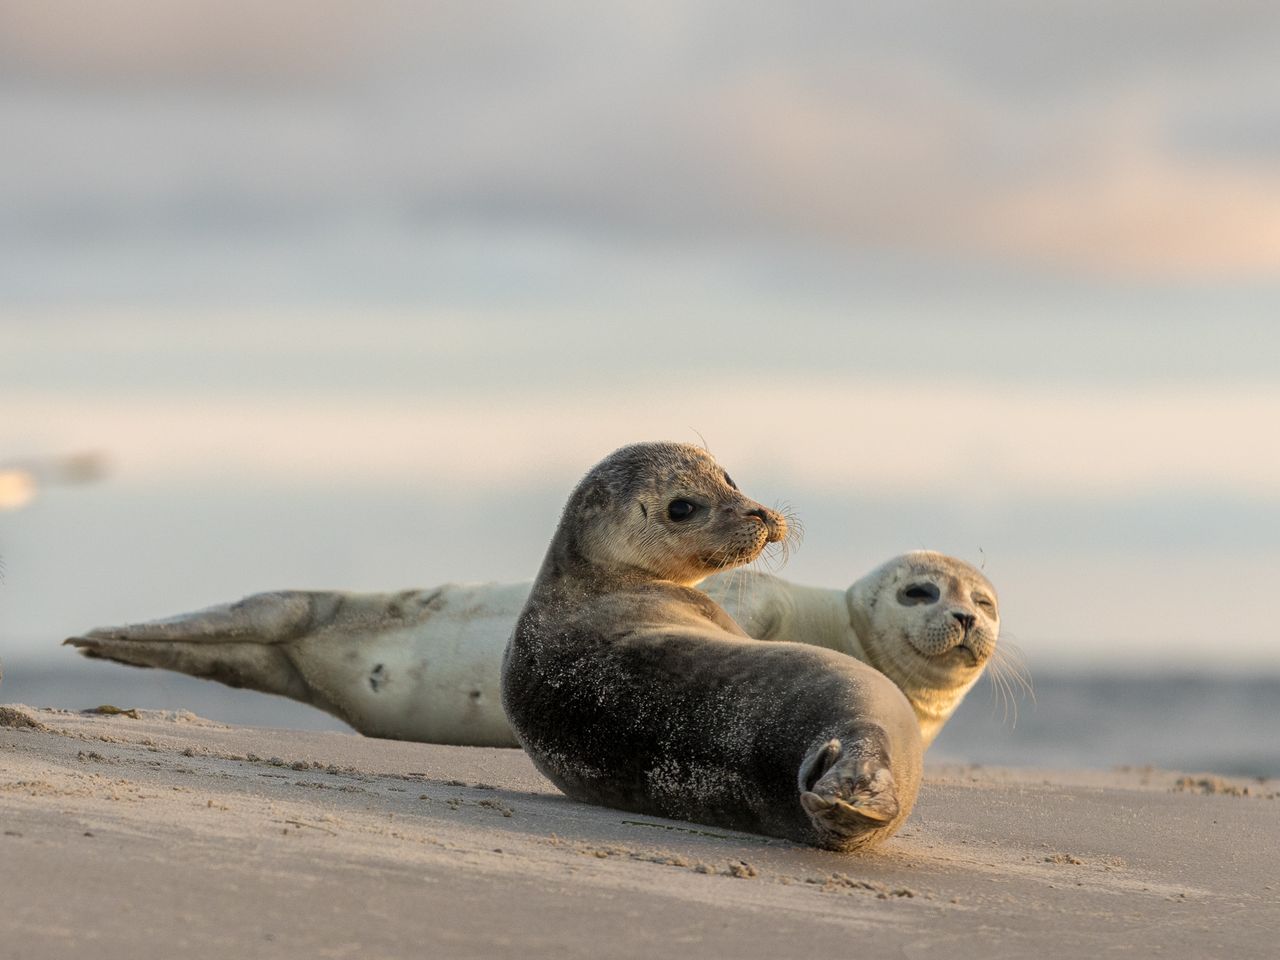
[775, 526]
[966, 619]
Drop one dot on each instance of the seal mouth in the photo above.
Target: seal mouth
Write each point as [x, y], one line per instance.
[961, 655]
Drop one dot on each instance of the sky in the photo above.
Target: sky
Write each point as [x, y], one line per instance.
[350, 295]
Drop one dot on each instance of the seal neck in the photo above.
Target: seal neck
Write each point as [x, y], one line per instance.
[819, 616]
[860, 628]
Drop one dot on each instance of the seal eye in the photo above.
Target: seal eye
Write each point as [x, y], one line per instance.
[918, 593]
[986, 603]
[679, 510]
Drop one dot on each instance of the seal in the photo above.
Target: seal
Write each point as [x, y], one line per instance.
[629, 688]
[927, 621]
[424, 664]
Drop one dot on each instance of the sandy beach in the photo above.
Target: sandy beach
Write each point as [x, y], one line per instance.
[165, 834]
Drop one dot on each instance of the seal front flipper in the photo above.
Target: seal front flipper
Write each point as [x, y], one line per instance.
[846, 791]
[241, 644]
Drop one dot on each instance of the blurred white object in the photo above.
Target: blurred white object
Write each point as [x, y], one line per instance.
[20, 482]
[17, 489]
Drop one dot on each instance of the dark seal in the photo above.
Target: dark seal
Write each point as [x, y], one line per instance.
[631, 689]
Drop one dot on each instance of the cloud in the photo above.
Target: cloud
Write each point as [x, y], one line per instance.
[1076, 137]
[961, 439]
[190, 41]
[1121, 201]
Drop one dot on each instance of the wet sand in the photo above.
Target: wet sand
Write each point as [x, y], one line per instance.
[164, 834]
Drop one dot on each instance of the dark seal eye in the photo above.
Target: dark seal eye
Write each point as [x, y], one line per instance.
[680, 510]
[914, 593]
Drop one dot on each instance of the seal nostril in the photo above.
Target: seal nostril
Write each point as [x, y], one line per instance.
[966, 619]
[759, 514]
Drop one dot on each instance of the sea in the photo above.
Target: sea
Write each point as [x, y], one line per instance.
[1193, 722]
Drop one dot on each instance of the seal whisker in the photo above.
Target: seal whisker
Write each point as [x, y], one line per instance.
[1009, 656]
[740, 584]
[777, 555]
[1000, 697]
[1006, 671]
[1008, 668]
[1010, 695]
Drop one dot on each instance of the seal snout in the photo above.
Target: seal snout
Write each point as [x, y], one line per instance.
[775, 524]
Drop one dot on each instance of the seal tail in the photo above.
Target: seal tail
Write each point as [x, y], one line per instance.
[242, 644]
[848, 791]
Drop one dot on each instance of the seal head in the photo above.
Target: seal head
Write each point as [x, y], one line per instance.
[660, 511]
[930, 623]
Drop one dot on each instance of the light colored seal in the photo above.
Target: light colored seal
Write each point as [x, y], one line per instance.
[629, 688]
[424, 665]
[928, 621]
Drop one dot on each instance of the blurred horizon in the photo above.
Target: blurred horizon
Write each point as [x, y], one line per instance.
[349, 295]
[1191, 721]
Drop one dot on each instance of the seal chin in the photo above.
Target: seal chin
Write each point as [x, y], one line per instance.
[712, 564]
[721, 560]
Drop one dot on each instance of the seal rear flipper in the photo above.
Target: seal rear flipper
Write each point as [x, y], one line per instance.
[260, 618]
[241, 644]
[847, 792]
